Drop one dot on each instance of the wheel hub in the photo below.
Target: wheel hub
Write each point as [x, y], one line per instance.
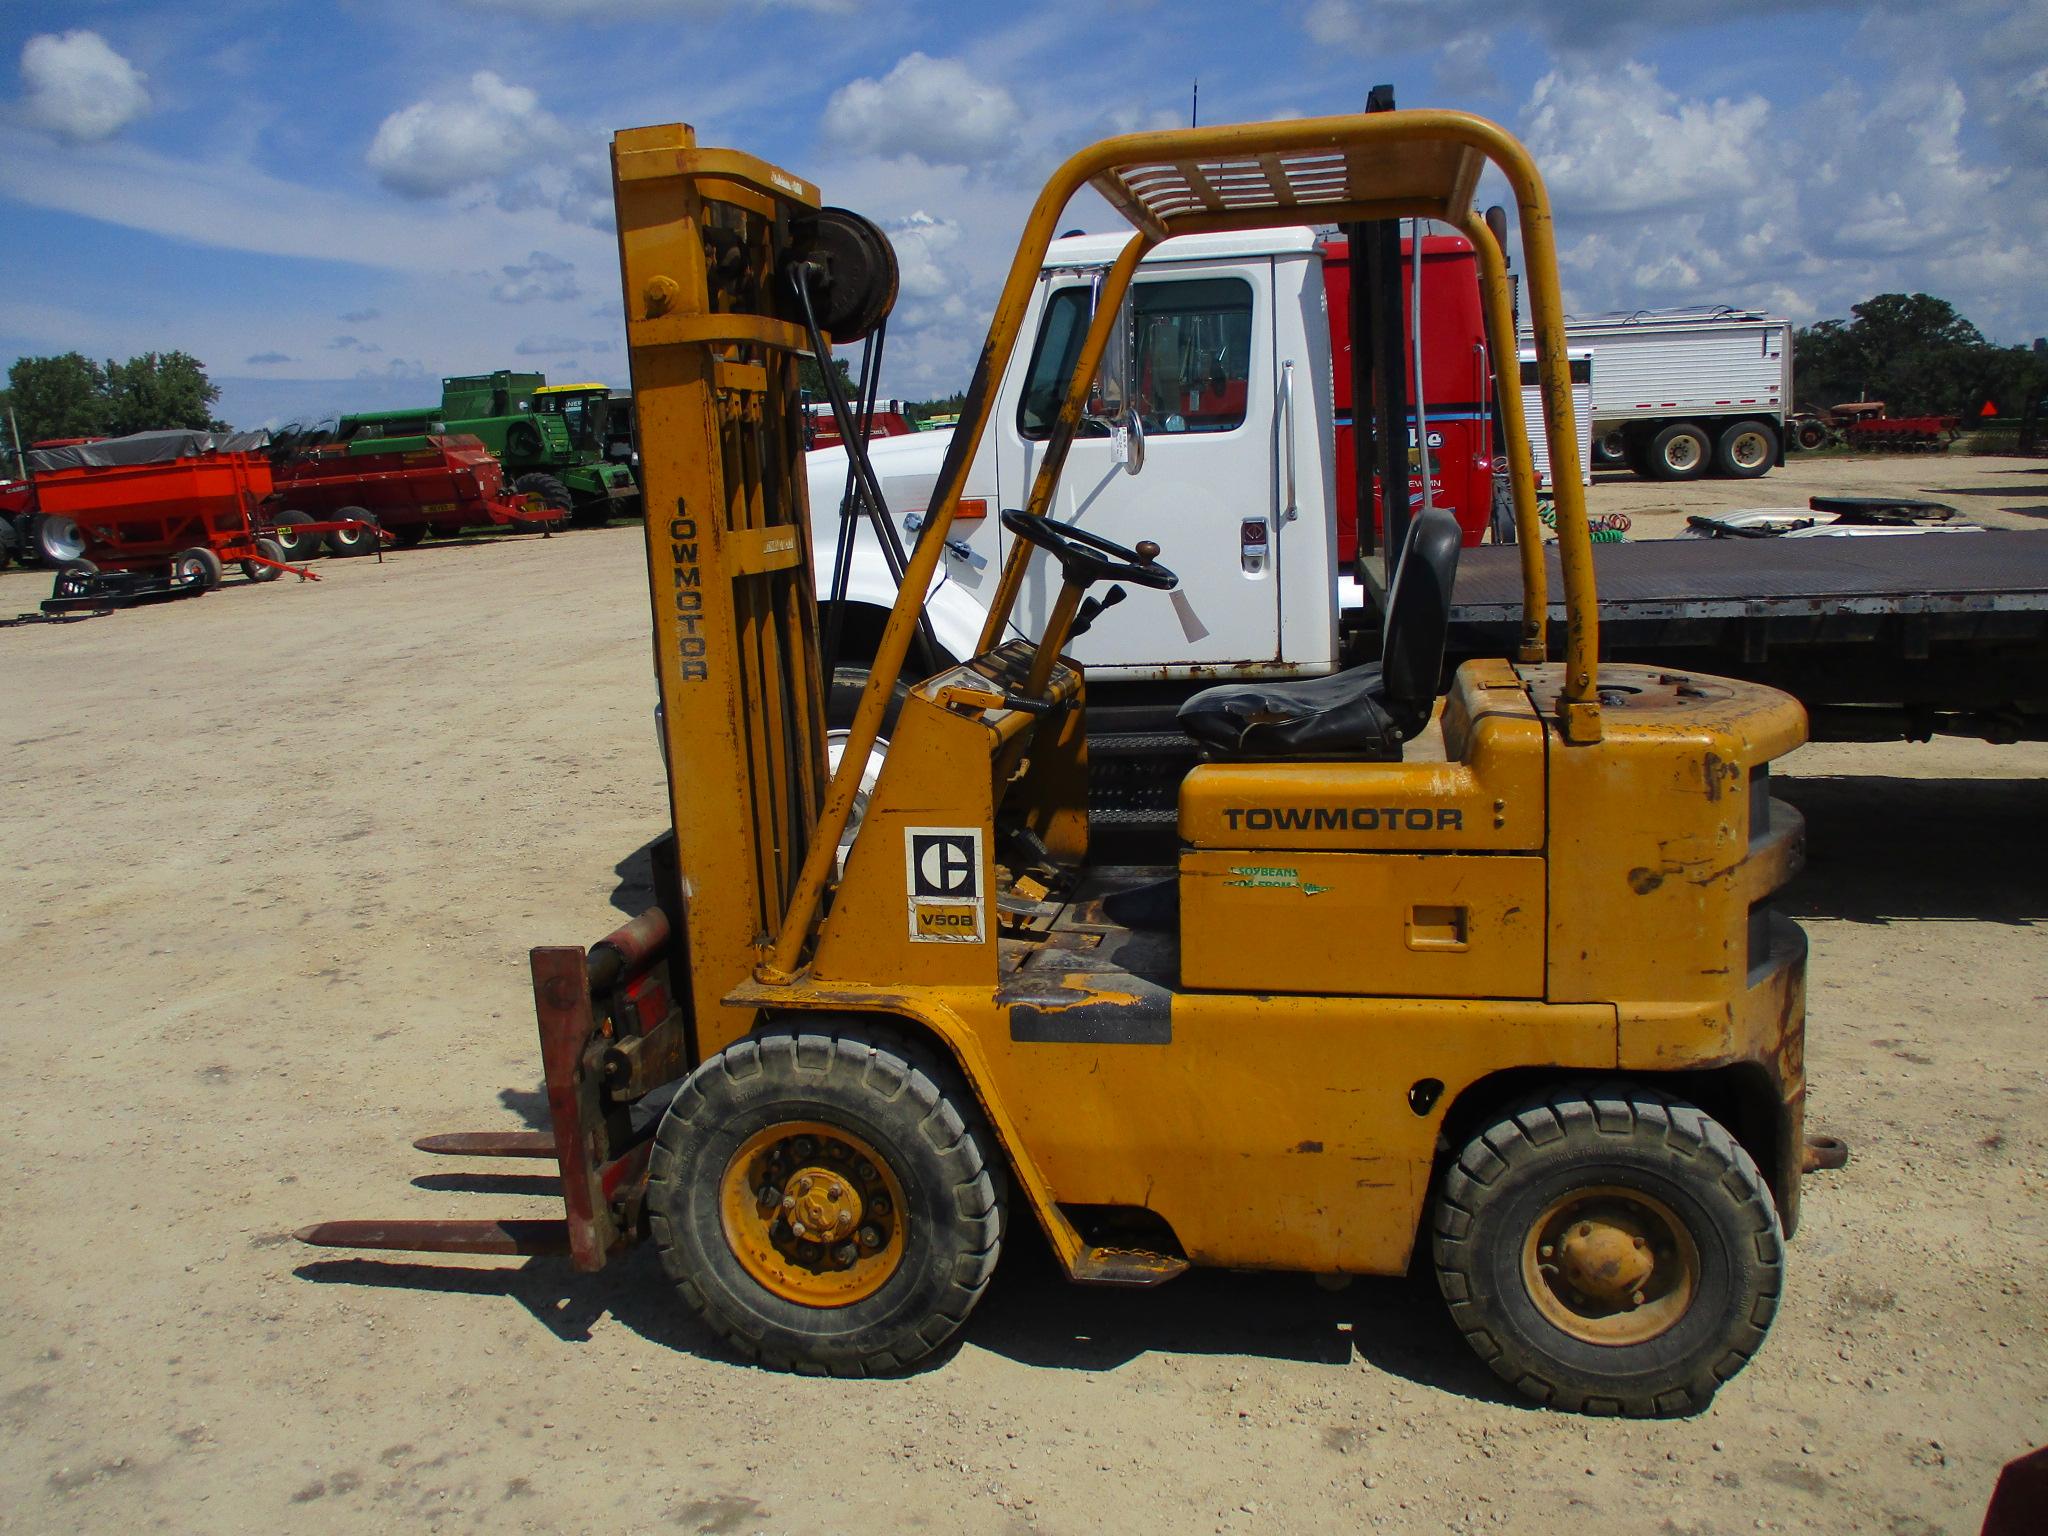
[813, 1213]
[1610, 1265]
[1608, 1259]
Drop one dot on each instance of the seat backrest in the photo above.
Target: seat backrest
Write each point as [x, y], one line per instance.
[1419, 618]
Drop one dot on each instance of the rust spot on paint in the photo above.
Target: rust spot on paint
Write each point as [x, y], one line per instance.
[1308, 1146]
[1643, 881]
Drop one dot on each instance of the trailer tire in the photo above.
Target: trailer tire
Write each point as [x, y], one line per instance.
[1617, 1177]
[73, 578]
[1610, 448]
[908, 1159]
[298, 547]
[1746, 450]
[198, 564]
[1679, 452]
[409, 535]
[269, 550]
[348, 542]
[56, 539]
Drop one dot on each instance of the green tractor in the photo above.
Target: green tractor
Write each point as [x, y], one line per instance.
[553, 439]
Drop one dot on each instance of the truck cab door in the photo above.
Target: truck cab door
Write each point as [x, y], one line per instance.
[1205, 382]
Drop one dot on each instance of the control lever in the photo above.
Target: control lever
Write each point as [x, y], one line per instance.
[1094, 606]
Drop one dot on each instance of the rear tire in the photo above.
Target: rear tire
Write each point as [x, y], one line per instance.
[269, 550]
[1810, 435]
[198, 564]
[900, 1149]
[1679, 452]
[1610, 448]
[1642, 1199]
[1746, 450]
[298, 547]
[348, 542]
[409, 535]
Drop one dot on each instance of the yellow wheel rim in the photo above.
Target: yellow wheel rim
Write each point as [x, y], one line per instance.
[813, 1213]
[1610, 1266]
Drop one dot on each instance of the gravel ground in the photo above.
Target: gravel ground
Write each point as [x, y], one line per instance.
[273, 858]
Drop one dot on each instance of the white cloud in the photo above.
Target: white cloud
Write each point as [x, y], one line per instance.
[541, 276]
[1617, 141]
[79, 88]
[935, 109]
[432, 148]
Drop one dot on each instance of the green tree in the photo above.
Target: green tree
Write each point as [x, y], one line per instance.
[159, 390]
[1911, 350]
[810, 377]
[58, 396]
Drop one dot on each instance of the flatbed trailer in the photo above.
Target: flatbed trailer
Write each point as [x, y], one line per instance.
[1910, 636]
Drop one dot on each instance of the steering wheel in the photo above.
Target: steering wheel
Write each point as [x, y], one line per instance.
[1086, 557]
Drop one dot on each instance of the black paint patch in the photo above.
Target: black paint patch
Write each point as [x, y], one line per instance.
[1145, 1019]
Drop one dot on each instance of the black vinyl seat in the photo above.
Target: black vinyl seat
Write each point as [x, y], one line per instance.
[1362, 714]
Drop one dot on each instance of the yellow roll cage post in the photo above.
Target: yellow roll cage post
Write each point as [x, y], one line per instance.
[1351, 169]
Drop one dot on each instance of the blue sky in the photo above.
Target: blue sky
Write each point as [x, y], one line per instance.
[333, 205]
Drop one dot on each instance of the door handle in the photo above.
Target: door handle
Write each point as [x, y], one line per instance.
[1290, 508]
[959, 549]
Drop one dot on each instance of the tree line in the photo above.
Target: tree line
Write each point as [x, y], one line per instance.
[1917, 354]
[73, 396]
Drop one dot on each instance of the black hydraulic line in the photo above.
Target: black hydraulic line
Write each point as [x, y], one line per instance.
[842, 553]
[857, 458]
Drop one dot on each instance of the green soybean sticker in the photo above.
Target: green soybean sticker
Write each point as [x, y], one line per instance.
[1272, 877]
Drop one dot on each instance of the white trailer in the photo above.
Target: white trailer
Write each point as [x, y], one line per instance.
[1581, 363]
[1679, 392]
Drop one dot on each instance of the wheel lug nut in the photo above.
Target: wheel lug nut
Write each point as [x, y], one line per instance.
[1636, 1300]
[847, 1254]
[797, 1227]
[835, 1191]
[870, 1238]
[803, 1186]
[881, 1207]
[1548, 1251]
[770, 1195]
[867, 1170]
[789, 1202]
[803, 1147]
[846, 1218]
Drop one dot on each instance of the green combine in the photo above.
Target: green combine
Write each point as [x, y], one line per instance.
[554, 440]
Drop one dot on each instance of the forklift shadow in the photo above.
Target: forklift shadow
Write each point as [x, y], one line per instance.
[1883, 849]
[635, 893]
[1031, 1315]
[1396, 1325]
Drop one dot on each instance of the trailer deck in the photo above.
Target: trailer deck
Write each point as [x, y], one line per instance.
[1879, 635]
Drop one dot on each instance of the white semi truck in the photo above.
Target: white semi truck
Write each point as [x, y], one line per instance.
[1252, 457]
[1679, 393]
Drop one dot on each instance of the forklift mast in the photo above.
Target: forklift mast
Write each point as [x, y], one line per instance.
[704, 236]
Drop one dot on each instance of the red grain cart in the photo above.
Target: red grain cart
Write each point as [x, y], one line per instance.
[409, 487]
[177, 504]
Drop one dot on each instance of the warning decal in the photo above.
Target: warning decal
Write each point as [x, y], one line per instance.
[942, 875]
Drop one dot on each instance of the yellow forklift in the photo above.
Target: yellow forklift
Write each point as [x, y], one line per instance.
[1529, 1005]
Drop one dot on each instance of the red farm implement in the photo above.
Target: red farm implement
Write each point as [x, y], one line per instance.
[409, 487]
[1902, 434]
[168, 510]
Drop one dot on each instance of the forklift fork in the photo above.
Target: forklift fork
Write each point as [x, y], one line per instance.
[611, 1032]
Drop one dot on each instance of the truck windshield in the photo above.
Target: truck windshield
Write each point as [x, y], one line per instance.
[1192, 342]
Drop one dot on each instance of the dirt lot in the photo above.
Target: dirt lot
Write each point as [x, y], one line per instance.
[272, 860]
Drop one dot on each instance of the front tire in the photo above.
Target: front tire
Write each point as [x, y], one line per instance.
[788, 1131]
[269, 550]
[1679, 452]
[198, 566]
[1608, 1249]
